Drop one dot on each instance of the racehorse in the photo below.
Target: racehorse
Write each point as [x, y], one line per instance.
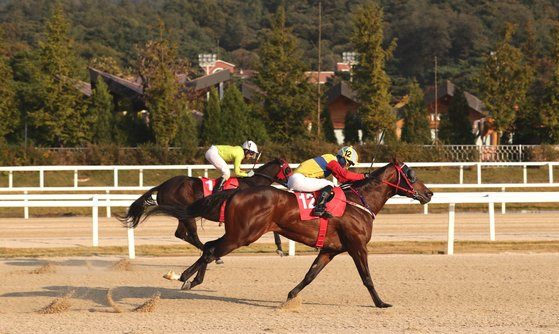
[183, 190]
[252, 212]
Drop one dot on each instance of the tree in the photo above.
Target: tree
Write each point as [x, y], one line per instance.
[503, 83]
[158, 66]
[59, 114]
[455, 126]
[234, 116]
[416, 125]
[288, 97]
[187, 132]
[550, 107]
[370, 81]
[101, 108]
[352, 125]
[9, 115]
[211, 124]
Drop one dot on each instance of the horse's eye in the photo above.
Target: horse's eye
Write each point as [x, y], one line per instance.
[411, 175]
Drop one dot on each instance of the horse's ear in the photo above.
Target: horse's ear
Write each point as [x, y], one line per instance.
[394, 161]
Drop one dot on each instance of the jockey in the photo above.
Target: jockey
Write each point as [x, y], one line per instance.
[219, 155]
[309, 176]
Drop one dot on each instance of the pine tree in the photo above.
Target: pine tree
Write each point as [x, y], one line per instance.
[159, 64]
[328, 127]
[352, 125]
[101, 108]
[369, 79]
[455, 126]
[416, 125]
[234, 116]
[550, 109]
[288, 97]
[59, 115]
[211, 124]
[187, 132]
[9, 115]
[503, 83]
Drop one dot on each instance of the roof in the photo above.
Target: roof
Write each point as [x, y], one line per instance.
[324, 75]
[447, 88]
[116, 84]
[341, 89]
[209, 80]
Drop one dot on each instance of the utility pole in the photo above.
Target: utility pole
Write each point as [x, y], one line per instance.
[318, 79]
[436, 102]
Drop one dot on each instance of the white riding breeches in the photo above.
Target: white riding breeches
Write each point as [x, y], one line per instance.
[300, 182]
[212, 155]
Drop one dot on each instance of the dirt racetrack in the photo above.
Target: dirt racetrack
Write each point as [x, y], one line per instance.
[465, 293]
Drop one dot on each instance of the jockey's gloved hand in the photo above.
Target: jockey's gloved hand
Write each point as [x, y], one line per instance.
[367, 175]
[250, 173]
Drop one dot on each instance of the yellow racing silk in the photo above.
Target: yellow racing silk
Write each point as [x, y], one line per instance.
[316, 167]
[234, 154]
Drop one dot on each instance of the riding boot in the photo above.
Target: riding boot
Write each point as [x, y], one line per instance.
[320, 207]
[218, 185]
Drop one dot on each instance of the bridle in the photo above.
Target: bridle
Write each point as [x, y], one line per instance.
[403, 172]
[283, 174]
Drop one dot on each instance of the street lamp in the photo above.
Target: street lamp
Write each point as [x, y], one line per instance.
[205, 60]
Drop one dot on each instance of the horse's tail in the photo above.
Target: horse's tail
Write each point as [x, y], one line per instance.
[207, 207]
[137, 209]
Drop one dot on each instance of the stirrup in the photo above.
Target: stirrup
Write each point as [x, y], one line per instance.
[321, 212]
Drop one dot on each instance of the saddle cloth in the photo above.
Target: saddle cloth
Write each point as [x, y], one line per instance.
[209, 184]
[336, 206]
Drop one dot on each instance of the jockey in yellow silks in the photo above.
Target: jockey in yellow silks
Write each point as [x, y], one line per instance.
[219, 155]
[310, 174]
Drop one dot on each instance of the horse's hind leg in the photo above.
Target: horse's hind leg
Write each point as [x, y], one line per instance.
[359, 255]
[187, 231]
[323, 258]
[277, 241]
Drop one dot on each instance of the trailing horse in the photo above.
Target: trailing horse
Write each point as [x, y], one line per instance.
[182, 191]
[252, 212]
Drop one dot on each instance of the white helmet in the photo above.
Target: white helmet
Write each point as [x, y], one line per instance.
[249, 145]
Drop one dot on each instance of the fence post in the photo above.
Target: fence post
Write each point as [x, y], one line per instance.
[141, 177]
[131, 245]
[525, 174]
[11, 179]
[461, 174]
[492, 221]
[478, 172]
[450, 239]
[115, 177]
[503, 204]
[75, 178]
[291, 251]
[425, 209]
[550, 173]
[189, 171]
[26, 208]
[95, 223]
[108, 204]
[41, 177]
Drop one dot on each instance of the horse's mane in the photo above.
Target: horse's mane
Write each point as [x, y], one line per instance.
[374, 177]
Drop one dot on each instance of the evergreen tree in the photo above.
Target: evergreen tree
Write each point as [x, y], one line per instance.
[234, 116]
[187, 132]
[328, 127]
[59, 114]
[550, 107]
[9, 115]
[370, 81]
[288, 97]
[352, 125]
[211, 124]
[416, 125]
[455, 126]
[503, 84]
[159, 64]
[101, 108]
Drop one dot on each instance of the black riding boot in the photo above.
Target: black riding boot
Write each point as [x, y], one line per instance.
[218, 185]
[320, 207]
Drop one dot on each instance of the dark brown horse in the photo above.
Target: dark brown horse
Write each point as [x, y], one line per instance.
[183, 190]
[252, 212]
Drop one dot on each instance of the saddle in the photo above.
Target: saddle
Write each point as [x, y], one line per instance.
[209, 184]
[336, 206]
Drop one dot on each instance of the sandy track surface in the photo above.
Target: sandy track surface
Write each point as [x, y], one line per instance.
[497, 293]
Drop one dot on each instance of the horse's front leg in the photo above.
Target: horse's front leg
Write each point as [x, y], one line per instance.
[323, 258]
[359, 255]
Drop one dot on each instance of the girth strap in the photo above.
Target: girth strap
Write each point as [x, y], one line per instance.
[321, 232]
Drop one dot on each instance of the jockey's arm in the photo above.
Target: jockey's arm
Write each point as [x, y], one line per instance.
[237, 165]
[342, 174]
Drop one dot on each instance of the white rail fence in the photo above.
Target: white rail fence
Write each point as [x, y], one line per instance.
[115, 200]
[189, 169]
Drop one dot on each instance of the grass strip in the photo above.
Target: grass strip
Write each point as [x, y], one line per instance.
[377, 247]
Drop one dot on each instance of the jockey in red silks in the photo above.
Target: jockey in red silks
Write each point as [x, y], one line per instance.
[310, 174]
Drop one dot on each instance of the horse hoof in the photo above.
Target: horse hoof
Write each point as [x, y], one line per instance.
[171, 275]
[384, 305]
[280, 253]
[219, 261]
[186, 285]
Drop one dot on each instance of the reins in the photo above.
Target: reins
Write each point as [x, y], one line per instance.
[410, 191]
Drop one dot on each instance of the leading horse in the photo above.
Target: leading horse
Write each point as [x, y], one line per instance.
[252, 212]
[183, 190]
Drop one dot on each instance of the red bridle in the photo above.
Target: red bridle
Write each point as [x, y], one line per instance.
[284, 172]
[401, 173]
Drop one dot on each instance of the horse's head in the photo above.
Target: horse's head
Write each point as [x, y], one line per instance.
[405, 182]
[277, 170]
